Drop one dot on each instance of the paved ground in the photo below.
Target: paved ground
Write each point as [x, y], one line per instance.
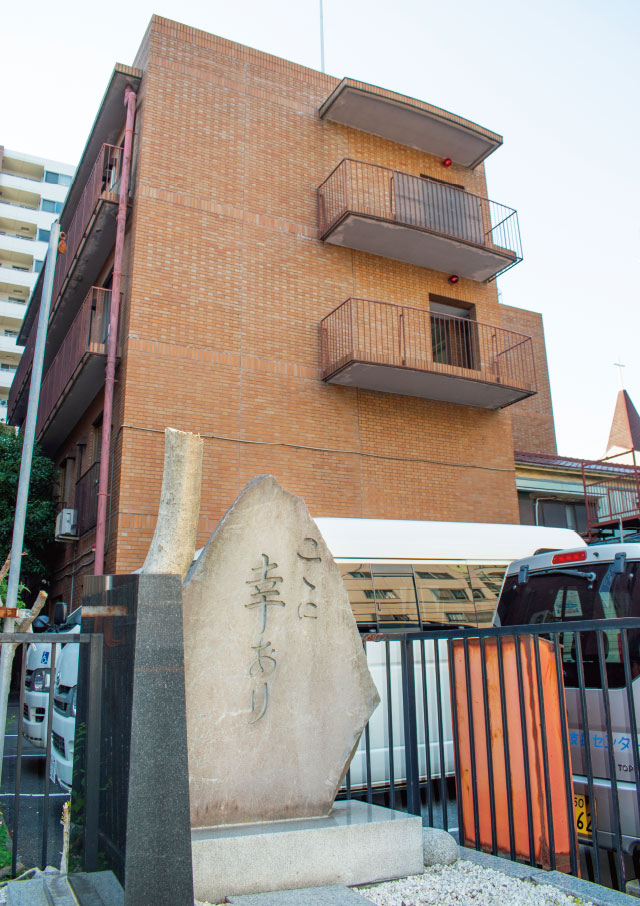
[32, 787]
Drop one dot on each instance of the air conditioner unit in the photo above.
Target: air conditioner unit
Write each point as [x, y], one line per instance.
[66, 526]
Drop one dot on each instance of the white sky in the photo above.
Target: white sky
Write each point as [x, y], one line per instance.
[558, 78]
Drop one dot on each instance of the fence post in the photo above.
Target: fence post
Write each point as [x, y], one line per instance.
[410, 727]
[92, 754]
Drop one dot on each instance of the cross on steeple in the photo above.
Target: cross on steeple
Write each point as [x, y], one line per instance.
[620, 367]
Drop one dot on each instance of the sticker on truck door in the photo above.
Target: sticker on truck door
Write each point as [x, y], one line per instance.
[45, 657]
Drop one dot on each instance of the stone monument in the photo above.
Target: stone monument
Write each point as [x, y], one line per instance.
[278, 692]
[277, 684]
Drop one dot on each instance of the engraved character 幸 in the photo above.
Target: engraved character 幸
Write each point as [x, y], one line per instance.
[266, 593]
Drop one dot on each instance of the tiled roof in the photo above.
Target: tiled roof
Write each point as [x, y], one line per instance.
[567, 462]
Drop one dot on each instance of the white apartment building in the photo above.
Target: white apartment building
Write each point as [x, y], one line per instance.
[32, 193]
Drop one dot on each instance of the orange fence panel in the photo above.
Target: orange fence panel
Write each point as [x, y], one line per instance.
[526, 756]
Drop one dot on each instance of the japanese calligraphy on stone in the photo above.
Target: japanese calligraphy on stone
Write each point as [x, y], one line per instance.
[265, 594]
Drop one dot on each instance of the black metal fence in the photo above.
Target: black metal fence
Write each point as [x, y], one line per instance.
[31, 800]
[522, 739]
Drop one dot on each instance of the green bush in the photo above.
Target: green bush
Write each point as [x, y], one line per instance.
[41, 507]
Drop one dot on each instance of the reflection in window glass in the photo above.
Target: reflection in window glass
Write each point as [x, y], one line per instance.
[395, 595]
[486, 582]
[441, 585]
[357, 581]
[567, 602]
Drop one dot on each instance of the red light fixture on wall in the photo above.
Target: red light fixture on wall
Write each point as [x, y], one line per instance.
[447, 162]
[453, 278]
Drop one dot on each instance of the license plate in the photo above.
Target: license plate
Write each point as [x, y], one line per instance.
[52, 769]
[582, 812]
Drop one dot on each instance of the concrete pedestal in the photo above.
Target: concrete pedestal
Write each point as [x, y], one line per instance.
[356, 844]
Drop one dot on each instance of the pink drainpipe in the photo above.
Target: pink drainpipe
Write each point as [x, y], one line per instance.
[110, 373]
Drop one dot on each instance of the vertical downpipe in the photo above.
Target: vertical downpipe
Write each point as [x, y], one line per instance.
[112, 340]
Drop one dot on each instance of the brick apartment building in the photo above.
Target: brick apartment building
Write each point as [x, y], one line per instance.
[307, 280]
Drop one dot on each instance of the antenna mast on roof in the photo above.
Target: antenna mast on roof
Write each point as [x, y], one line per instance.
[321, 38]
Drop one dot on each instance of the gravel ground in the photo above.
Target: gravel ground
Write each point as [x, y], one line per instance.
[466, 884]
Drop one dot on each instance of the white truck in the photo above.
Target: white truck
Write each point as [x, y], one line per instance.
[601, 582]
[63, 724]
[412, 575]
[37, 682]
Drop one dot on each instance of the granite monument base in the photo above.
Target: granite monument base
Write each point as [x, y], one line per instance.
[356, 844]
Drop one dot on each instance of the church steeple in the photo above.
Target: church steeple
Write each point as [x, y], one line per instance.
[625, 430]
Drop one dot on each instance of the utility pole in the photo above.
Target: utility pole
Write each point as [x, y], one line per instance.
[25, 473]
[30, 424]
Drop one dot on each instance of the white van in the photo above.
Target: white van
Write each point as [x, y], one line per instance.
[63, 724]
[37, 681]
[601, 582]
[410, 575]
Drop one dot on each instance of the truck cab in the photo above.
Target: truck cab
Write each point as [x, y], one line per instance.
[37, 682]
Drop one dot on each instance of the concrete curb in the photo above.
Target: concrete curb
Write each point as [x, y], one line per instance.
[584, 890]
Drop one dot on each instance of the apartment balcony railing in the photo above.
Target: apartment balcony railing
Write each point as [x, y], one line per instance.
[418, 220]
[86, 499]
[102, 186]
[612, 503]
[395, 349]
[77, 371]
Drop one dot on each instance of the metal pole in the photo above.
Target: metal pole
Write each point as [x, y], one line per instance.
[321, 38]
[30, 424]
[6, 660]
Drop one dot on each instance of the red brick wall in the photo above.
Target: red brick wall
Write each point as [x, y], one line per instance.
[226, 283]
[532, 419]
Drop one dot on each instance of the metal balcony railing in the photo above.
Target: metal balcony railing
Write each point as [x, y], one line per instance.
[613, 501]
[104, 182]
[87, 335]
[372, 191]
[87, 499]
[379, 333]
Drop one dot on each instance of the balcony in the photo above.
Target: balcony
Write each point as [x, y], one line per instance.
[90, 234]
[394, 349]
[19, 392]
[7, 375]
[612, 503]
[417, 220]
[77, 371]
[409, 122]
[8, 344]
